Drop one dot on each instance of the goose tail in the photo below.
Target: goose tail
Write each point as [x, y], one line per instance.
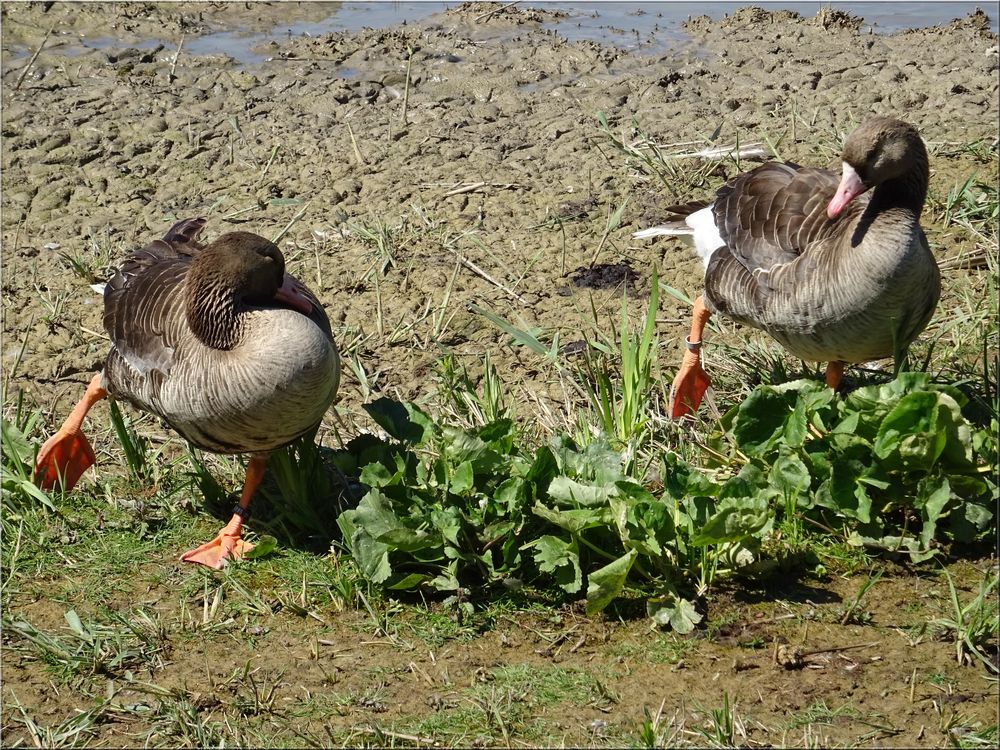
[695, 224]
[670, 229]
[185, 232]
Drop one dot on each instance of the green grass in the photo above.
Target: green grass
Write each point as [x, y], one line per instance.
[667, 648]
[973, 625]
[95, 648]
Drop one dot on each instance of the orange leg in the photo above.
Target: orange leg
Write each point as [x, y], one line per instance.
[834, 373]
[691, 381]
[228, 545]
[68, 454]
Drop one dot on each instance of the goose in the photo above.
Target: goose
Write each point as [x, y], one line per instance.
[217, 340]
[834, 267]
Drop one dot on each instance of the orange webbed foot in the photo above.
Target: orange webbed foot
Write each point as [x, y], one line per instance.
[227, 545]
[66, 455]
[689, 386]
[218, 552]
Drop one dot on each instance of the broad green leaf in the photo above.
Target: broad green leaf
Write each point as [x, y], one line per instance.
[843, 492]
[500, 431]
[566, 491]
[618, 514]
[733, 523]
[681, 480]
[874, 398]
[968, 520]
[265, 546]
[377, 475]
[362, 526]
[816, 397]
[597, 462]
[657, 522]
[16, 447]
[696, 510]
[958, 452]
[489, 464]
[460, 446]
[406, 540]
[676, 613]
[643, 522]
[635, 492]
[561, 559]
[463, 479]
[510, 495]
[795, 426]
[574, 521]
[896, 544]
[760, 420]
[404, 422]
[409, 582]
[604, 584]
[848, 425]
[449, 522]
[933, 494]
[909, 433]
[791, 477]
[770, 414]
[447, 580]
[543, 469]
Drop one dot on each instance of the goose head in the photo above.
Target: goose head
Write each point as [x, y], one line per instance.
[878, 151]
[238, 271]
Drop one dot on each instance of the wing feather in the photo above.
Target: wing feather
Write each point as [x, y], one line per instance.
[773, 214]
[142, 298]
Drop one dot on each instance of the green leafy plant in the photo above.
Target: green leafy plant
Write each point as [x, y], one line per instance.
[448, 508]
[622, 401]
[895, 466]
[444, 504]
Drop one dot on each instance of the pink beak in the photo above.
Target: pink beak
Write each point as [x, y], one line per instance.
[850, 188]
[290, 294]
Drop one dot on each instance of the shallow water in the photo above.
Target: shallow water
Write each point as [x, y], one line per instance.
[644, 27]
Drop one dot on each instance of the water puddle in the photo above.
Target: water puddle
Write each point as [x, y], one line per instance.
[640, 28]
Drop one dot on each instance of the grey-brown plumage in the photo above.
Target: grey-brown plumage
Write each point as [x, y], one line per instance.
[233, 353]
[834, 275]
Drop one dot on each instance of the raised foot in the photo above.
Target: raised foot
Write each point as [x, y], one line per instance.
[66, 455]
[688, 389]
[216, 553]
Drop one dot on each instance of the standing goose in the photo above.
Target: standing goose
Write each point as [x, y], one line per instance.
[235, 354]
[835, 268]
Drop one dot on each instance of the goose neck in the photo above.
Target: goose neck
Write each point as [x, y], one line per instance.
[213, 315]
[907, 191]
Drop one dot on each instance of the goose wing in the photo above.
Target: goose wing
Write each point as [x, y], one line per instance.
[773, 214]
[143, 305]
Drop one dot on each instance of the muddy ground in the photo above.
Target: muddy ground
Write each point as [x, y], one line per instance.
[485, 180]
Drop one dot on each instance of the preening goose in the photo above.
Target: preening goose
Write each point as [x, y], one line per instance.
[234, 353]
[835, 267]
